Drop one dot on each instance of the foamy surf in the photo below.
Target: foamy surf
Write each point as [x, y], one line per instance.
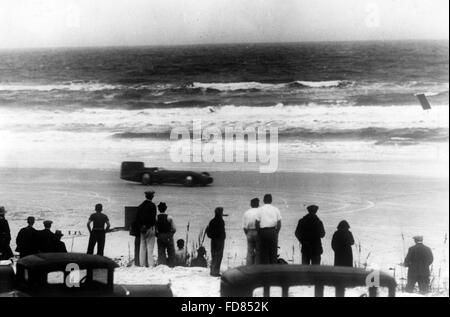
[312, 122]
[234, 86]
[230, 86]
[69, 86]
[88, 86]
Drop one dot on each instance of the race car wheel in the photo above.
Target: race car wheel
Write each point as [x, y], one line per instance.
[189, 181]
[146, 179]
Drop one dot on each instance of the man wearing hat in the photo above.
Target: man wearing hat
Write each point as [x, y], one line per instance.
[165, 229]
[309, 233]
[216, 232]
[146, 222]
[26, 239]
[5, 236]
[46, 238]
[418, 261]
[60, 246]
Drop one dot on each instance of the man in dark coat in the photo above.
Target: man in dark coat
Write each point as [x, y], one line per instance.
[418, 261]
[165, 229]
[342, 245]
[146, 222]
[26, 239]
[216, 232]
[60, 246]
[97, 234]
[309, 232]
[5, 236]
[46, 238]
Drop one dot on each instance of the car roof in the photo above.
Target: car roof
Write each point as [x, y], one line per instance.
[328, 275]
[59, 261]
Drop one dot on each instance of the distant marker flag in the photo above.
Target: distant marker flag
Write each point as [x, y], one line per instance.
[424, 102]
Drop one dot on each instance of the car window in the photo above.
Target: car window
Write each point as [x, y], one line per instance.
[55, 278]
[100, 275]
[73, 278]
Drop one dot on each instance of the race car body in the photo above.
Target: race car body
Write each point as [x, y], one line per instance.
[137, 172]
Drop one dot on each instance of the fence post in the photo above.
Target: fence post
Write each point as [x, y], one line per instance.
[285, 291]
[318, 290]
[391, 291]
[340, 291]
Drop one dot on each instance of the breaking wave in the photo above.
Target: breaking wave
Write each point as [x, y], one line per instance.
[211, 87]
[245, 86]
[65, 86]
[377, 134]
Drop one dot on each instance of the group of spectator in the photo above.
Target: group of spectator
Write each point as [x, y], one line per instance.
[150, 228]
[29, 240]
[261, 225]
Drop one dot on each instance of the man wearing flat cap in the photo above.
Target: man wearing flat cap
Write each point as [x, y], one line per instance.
[216, 232]
[26, 239]
[46, 238]
[146, 224]
[5, 236]
[418, 261]
[165, 229]
[309, 232]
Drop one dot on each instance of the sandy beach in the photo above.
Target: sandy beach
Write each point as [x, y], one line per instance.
[379, 208]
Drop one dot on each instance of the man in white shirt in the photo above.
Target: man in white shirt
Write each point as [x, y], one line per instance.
[268, 225]
[249, 226]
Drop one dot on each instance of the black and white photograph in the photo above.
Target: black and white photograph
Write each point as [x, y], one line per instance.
[224, 149]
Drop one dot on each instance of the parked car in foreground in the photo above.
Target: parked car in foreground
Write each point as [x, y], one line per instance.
[70, 275]
[242, 281]
[137, 172]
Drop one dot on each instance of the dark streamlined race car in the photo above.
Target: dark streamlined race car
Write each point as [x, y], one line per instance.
[137, 172]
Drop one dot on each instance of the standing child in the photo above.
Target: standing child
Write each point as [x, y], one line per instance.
[181, 255]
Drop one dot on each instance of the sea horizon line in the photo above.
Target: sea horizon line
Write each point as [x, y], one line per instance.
[181, 45]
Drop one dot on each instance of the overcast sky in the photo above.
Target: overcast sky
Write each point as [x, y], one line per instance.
[42, 23]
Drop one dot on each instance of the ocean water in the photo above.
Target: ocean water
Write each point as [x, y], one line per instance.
[329, 101]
